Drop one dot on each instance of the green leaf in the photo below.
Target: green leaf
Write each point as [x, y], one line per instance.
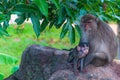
[42, 5]
[78, 30]
[72, 5]
[64, 30]
[21, 18]
[1, 7]
[51, 24]
[1, 76]
[69, 12]
[3, 32]
[5, 24]
[36, 24]
[82, 12]
[112, 9]
[3, 17]
[44, 25]
[117, 17]
[24, 8]
[61, 15]
[56, 2]
[58, 25]
[14, 69]
[7, 59]
[71, 34]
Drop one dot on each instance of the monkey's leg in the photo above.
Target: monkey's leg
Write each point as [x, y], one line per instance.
[100, 59]
[97, 59]
[73, 59]
[81, 64]
[71, 56]
[88, 59]
[75, 65]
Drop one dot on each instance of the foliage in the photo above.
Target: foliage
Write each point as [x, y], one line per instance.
[61, 13]
[16, 43]
[1, 76]
[7, 59]
[14, 69]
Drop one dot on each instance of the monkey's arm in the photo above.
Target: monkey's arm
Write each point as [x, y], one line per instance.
[81, 63]
[77, 56]
[79, 51]
[88, 59]
[85, 50]
[84, 36]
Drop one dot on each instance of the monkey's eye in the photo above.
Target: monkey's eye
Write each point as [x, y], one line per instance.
[89, 22]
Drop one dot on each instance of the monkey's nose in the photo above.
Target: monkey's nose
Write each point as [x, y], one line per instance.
[87, 27]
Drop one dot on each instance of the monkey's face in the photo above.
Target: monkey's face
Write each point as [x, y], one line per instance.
[89, 25]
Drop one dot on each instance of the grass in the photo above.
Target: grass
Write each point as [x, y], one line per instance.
[23, 36]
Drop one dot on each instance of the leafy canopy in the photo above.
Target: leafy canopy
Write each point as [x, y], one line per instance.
[60, 13]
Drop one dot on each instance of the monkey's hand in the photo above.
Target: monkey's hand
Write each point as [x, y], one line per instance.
[76, 56]
[78, 52]
[83, 50]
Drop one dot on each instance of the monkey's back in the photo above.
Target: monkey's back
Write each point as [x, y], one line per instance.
[104, 40]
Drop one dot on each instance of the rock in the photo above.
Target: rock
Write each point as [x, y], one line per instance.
[45, 63]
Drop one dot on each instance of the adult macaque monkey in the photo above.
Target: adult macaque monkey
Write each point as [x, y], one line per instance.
[101, 39]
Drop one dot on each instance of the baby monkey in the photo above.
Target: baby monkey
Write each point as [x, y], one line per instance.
[77, 56]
